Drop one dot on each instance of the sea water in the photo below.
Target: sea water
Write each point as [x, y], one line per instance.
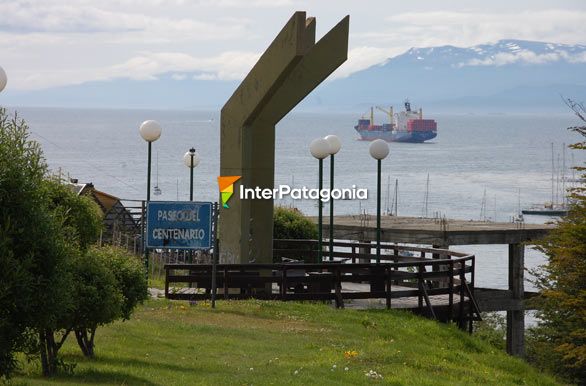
[477, 163]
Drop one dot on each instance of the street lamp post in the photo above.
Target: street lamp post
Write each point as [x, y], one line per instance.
[191, 160]
[3, 79]
[320, 149]
[379, 150]
[335, 146]
[150, 131]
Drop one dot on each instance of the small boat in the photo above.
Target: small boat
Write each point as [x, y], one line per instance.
[156, 190]
[552, 208]
[547, 210]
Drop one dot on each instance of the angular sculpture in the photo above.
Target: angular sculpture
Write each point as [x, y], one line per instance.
[290, 68]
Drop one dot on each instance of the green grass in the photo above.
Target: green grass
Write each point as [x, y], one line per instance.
[264, 343]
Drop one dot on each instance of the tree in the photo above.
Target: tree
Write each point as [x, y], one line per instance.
[121, 293]
[32, 249]
[290, 223]
[44, 230]
[79, 222]
[97, 298]
[80, 216]
[559, 341]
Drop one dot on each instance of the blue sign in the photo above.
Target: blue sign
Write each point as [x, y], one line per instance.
[179, 225]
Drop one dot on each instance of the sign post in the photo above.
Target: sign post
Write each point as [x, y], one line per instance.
[184, 225]
[215, 255]
[179, 225]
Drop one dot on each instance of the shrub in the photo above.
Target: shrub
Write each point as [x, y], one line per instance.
[97, 299]
[129, 273]
[290, 223]
[32, 248]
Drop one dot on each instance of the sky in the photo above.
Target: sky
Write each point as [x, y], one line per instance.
[51, 43]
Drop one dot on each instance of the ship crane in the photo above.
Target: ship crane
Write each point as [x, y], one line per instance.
[371, 116]
[389, 112]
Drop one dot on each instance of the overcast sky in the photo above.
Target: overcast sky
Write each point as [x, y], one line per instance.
[46, 43]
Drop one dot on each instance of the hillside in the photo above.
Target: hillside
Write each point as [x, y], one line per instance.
[507, 76]
[277, 343]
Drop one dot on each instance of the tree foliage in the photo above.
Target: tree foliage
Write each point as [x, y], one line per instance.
[97, 299]
[559, 342]
[32, 251]
[114, 284]
[80, 216]
[79, 222]
[290, 223]
[52, 281]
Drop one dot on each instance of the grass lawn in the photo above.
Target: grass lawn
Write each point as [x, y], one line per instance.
[275, 343]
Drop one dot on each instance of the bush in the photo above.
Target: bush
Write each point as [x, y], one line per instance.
[108, 284]
[130, 276]
[290, 223]
[80, 216]
[97, 299]
[33, 292]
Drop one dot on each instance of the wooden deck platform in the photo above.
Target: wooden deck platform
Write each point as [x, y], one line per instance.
[429, 231]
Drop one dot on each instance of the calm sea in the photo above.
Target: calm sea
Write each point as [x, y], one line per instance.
[476, 161]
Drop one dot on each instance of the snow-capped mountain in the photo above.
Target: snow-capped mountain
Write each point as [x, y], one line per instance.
[513, 70]
[502, 53]
[506, 76]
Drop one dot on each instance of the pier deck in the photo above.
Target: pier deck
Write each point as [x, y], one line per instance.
[430, 231]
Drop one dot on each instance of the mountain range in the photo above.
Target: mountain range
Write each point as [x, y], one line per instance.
[510, 75]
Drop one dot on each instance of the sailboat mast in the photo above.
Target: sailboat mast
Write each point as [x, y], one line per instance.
[483, 207]
[557, 181]
[494, 208]
[388, 197]
[396, 197]
[426, 198]
[552, 175]
[157, 168]
[564, 175]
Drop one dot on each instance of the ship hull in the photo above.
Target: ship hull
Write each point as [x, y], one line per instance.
[396, 136]
[545, 212]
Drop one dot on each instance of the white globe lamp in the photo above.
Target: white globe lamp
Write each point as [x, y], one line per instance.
[334, 142]
[379, 149]
[150, 130]
[3, 79]
[319, 148]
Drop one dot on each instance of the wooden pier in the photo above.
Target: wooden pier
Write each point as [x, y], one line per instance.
[406, 277]
[443, 233]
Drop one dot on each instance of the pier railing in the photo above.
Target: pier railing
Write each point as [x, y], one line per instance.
[435, 283]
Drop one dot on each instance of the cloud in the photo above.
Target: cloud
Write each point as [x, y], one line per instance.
[360, 58]
[207, 3]
[47, 43]
[525, 57]
[470, 28]
[61, 18]
[148, 66]
[226, 66]
[246, 4]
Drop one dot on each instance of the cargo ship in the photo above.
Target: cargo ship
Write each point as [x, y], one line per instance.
[406, 126]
